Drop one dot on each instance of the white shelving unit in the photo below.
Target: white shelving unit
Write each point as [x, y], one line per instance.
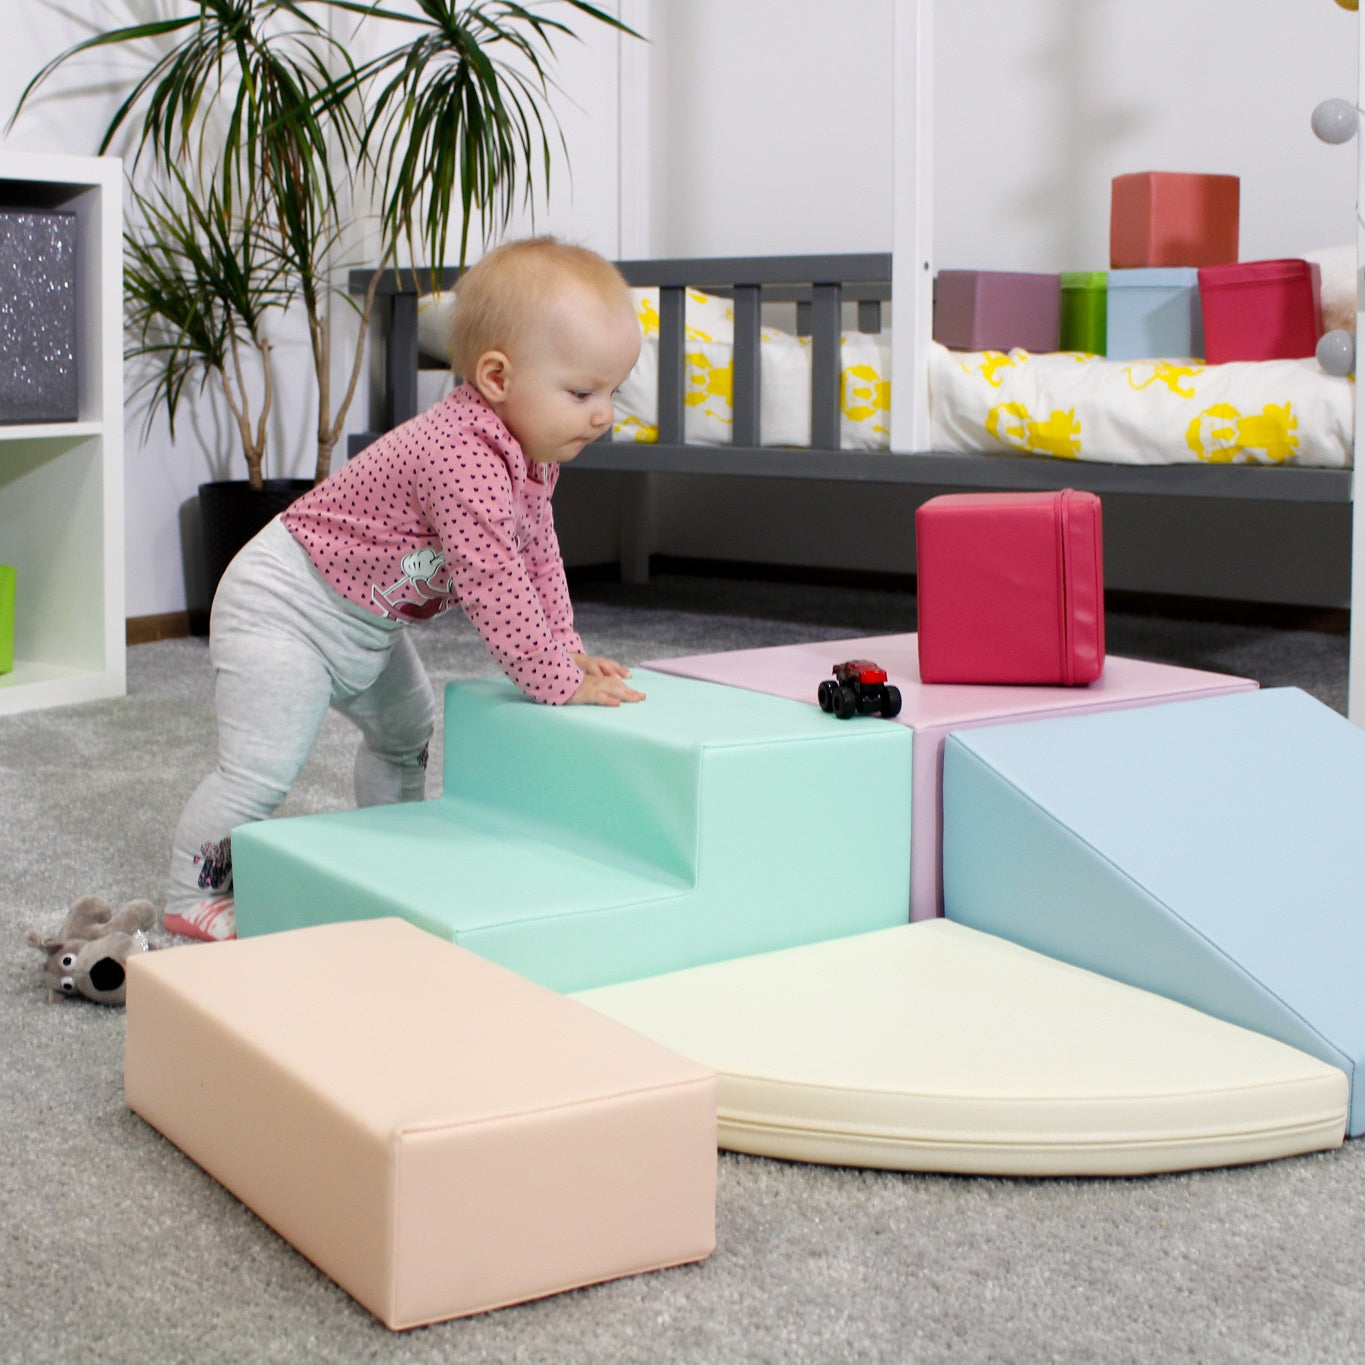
[61, 485]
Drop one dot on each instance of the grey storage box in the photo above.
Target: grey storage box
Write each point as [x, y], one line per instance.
[38, 379]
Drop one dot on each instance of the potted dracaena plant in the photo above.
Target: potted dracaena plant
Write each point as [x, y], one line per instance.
[255, 139]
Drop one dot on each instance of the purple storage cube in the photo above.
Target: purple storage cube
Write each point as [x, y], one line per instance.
[997, 310]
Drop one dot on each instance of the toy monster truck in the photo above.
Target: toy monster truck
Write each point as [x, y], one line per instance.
[859, 688]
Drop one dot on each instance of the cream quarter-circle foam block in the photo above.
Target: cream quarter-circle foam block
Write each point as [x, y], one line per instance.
[585, 845]
[933, 1047]
[1208, 850]
[931, 710]
[432, 1131]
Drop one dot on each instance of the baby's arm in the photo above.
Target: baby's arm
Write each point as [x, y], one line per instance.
[604, 679]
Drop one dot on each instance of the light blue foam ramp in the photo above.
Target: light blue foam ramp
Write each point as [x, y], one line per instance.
[1208, 850]
[585, 845]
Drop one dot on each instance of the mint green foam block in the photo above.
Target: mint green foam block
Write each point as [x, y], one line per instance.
[585, 846]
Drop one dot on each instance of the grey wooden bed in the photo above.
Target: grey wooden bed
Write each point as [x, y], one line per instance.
[820, 287]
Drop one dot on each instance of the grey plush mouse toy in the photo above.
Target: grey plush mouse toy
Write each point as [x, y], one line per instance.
[87, 955]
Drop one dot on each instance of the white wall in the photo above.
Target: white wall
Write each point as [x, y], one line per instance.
[765, 127]
[1040, 103]
[772, 125]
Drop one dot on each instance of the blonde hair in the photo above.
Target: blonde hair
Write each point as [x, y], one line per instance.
[497, 298]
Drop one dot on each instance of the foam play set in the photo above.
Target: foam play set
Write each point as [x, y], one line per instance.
[936, 1047]
[1103, 929]
[931, 712]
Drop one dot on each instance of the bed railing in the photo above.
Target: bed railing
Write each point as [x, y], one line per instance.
[819, 286]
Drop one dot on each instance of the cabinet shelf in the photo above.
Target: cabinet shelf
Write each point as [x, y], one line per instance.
[61, 483]
[48, 431]
[33, 683]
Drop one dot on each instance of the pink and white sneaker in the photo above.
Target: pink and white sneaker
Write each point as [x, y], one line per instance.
[213, 921]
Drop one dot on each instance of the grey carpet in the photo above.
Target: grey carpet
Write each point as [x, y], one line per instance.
[117, 1248]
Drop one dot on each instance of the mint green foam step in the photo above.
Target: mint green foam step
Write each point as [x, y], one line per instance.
[584, 846]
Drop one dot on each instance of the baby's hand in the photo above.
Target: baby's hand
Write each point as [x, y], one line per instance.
[602, 688]
[601, 668]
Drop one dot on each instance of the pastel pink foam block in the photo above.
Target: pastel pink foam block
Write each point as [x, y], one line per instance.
[933, 710]
[443, 1137]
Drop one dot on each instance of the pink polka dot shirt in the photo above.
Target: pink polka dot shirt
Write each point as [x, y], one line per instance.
[445, 509]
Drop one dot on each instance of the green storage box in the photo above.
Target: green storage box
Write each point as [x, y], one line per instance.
[1084, 321]
[7, 577]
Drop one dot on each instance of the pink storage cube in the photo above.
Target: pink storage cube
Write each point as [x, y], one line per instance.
[1011, 588]
[1261, 310]
[997, 310]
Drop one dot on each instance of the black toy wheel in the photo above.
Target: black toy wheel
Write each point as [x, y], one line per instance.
[846, 704]
[827, 693]
[891, 701]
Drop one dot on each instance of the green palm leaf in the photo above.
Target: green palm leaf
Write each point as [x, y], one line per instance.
[262, 133]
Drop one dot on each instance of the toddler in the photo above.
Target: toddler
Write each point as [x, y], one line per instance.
[451, 507]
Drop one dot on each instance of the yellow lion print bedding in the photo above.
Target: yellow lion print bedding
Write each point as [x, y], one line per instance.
[708, 381]
[1064, 404]
[1084, 407]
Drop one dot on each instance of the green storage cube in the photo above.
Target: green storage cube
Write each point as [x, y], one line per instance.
[7, 577]
[1085, 295]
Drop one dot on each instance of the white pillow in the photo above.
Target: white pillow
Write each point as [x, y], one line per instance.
[435, 312]
[708, 343]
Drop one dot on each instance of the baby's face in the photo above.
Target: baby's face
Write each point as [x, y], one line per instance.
[563, 375]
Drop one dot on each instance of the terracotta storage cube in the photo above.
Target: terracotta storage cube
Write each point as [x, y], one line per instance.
[1173, 218]
[997, 310]
[440, 1135]
[1261, 310]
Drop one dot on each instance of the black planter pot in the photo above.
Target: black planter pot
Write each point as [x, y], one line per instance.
[231, 512]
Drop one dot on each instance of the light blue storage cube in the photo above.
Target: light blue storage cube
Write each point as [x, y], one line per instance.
[1154, 313]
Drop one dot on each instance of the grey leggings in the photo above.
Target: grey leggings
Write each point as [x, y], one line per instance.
[285, 646]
